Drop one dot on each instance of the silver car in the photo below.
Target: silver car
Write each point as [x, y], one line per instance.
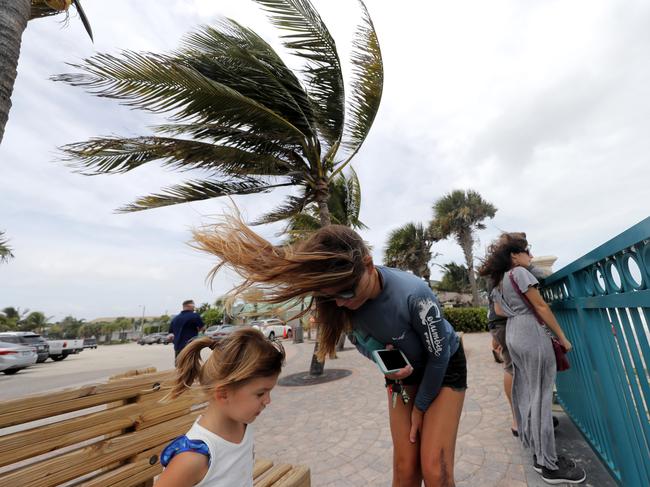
[14, 357]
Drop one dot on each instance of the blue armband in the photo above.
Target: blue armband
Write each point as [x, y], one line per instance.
[180, 445]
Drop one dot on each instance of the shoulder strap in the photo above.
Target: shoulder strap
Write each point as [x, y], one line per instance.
[525, 299]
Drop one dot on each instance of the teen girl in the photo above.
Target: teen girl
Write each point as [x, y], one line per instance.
[382, 306]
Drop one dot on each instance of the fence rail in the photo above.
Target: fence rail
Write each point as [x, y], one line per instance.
[602, 301]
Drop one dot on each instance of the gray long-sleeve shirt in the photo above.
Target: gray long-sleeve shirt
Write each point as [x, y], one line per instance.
[407, 315]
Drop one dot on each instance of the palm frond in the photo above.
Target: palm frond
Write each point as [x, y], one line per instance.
[198, 190]
[291, 207]
[237, 137]
[310, 39]
[160, 84]
[5, 250]
[41, 9]
[366, 85]
[239, 58]
[115, 155]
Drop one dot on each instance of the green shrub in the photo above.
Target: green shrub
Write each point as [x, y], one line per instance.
[467, 319]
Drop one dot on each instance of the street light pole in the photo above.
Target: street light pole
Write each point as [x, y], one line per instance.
[142, 320]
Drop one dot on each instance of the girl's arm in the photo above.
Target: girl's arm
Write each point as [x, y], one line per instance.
[184, 470]
[544, 311]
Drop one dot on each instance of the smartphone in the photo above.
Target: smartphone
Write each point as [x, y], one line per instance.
[390, 361]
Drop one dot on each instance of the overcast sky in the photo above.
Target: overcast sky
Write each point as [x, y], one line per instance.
[542, 107]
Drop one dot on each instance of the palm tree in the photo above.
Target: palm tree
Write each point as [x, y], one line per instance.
[238, 113]
[14, 15]
[460, 213]
[5, 250]
[36, 320]
[344, 205]
[409, 248]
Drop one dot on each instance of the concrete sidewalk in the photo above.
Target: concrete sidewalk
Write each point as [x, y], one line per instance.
[340, 429]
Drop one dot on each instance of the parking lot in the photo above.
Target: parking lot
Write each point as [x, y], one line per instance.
[87, 366]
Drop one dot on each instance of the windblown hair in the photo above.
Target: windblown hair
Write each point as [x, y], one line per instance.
[243, 355]
[498, 259]
[331, 258]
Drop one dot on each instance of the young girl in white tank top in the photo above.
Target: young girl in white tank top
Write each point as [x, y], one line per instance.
[238, 377]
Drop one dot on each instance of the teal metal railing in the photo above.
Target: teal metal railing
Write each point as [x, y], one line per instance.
[602, 301]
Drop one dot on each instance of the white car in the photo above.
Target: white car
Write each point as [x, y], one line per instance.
[14, 357]
[273, 328]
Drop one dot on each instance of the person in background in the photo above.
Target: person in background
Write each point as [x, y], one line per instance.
[516, 296]
[497, 328]
[185, 326]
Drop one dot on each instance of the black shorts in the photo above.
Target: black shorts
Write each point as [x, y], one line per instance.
[455, 375]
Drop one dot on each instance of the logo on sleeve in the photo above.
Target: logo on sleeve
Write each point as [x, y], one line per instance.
[430, 317]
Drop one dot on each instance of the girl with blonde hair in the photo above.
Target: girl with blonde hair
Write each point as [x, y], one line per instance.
[383, 308]
[237, 379]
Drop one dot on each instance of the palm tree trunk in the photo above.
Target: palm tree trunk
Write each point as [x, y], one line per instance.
[322, 196]
[14, 15]
[467, 243]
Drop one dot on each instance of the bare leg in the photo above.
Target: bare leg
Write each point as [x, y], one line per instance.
[439, 431]
[507, 388]
[406, 455]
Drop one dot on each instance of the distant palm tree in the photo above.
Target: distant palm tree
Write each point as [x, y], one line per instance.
[344, 205]
[35, 320]
[5, 250]
[238, 112]
[14, 15]
[409, 248]
[460, 213]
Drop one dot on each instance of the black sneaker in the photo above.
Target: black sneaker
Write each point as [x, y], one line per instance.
[562, 461]
[565, 474]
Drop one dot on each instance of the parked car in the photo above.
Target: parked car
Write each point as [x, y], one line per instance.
[273, 328]
[154, 338]
[59, 349]
[76, 345]
[90, 342]
[28, 338]
[14, 357]
[221, 332]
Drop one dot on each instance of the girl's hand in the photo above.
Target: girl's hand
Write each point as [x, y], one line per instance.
[566, 344]
[401, 373]
[416, 424]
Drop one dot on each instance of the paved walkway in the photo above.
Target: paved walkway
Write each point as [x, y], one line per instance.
[340, 429]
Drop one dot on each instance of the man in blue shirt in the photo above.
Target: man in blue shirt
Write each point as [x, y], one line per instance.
[185, 326]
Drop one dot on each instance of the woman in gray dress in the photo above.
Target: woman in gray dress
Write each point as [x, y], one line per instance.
[532, 354]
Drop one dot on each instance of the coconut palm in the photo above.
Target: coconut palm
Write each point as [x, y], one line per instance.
[5, 250]
[459, 214]
[36, 320]
[14, 15]
[238, 113]
[344, 205]
[409, 248]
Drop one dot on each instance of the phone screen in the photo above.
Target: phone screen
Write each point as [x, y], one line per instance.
[392, 359]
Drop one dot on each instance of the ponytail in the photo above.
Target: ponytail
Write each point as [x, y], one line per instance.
[188, 365]
[244, 355]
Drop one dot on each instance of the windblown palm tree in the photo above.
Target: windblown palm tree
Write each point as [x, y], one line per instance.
[409, 248]
[238, 112]
[461, 213]
[14, 15]
[5, 250]
[344, 205]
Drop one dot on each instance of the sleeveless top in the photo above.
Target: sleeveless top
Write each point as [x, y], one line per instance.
[230, 464]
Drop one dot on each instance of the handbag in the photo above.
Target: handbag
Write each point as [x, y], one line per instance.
[561, 360]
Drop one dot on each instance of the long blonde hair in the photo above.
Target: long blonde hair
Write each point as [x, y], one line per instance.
[332, 258]
[243, 355]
